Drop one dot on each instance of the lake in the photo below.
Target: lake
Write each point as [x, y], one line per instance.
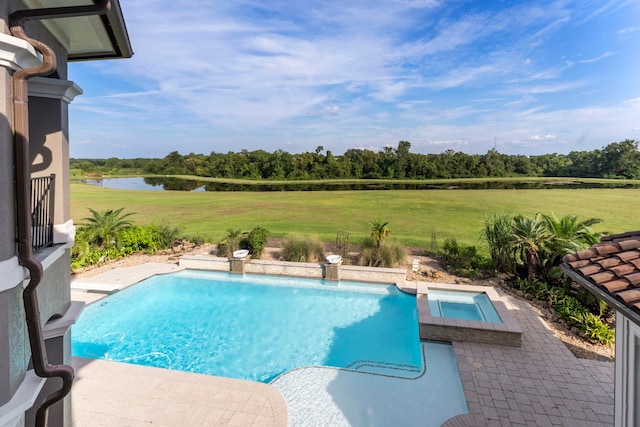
[180, 184]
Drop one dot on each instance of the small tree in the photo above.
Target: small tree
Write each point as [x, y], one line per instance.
[379, 230]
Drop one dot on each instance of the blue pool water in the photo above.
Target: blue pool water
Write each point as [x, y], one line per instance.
[462, 305]
[253, 327]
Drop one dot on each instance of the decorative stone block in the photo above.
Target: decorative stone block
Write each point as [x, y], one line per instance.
[331, 272]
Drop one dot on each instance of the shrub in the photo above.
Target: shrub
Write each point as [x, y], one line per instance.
[462, 260]
[387, 255]
[369, 242]
[302, 249]
[196, 240]
[497, 234]
[571, 310]
[138, 239]
[167, 235]
[255, 241]
[230, 244]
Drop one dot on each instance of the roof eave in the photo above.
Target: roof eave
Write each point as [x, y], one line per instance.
[602, 295]
[116, 29]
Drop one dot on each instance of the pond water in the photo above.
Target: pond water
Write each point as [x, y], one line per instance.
[179, 184]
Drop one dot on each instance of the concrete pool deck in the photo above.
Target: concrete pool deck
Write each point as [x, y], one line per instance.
[540, 384]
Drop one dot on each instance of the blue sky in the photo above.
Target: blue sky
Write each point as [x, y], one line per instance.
[528, 77]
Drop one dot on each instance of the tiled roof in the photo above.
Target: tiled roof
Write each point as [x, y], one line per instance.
[613, 266]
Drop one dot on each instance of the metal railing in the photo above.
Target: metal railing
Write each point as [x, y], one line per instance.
[42, 204]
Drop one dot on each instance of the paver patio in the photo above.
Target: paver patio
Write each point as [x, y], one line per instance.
[542, 383]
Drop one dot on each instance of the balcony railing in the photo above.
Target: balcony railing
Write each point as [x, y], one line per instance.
[42, 203]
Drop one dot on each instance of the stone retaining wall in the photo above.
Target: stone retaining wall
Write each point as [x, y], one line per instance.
[300, 269]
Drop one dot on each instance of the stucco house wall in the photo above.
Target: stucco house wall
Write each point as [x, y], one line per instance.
[21, 390]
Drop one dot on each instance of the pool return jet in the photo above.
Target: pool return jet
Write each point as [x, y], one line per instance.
[41, 365]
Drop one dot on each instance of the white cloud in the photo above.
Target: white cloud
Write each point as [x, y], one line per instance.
[360, 73]
[598, 58]
[628, 30]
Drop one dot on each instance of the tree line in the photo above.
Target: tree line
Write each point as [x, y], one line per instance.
[616, 160]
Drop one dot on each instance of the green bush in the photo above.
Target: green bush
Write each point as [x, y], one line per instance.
[462, 260]
[571, 310]
[302, 249]
[497, 234]
[139, 239]
[167, 235]
[131, 239]
[255, 241]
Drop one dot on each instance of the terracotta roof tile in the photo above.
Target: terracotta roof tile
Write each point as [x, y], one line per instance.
[607, 249]
[580, 263]
[629, 235]
[586, 254]
[626, 245]
[613, 265]
[616, 285]
[634, 278]
[630, 296]
[623, 270]
[609, 262]
[626, 256]
[599, 278]
[590, 269]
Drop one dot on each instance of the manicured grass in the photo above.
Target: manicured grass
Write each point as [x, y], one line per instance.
[412, 214]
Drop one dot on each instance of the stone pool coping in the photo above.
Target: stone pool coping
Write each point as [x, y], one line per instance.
[443, 329]
[300, 269]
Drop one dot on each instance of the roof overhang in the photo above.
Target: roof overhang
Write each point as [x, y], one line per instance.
[88, 37]
[612, 301]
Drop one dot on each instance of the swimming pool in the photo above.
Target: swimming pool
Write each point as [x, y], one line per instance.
[253, 327]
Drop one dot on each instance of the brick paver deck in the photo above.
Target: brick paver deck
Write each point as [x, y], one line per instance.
[540, 384]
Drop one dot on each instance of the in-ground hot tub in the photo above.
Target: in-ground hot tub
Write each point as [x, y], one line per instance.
[465, 313]
[462, 305]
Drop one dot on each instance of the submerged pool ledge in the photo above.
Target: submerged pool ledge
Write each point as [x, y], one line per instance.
[435, 328]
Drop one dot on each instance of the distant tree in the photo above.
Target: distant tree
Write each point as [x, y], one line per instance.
[402, 159]
[621, 160]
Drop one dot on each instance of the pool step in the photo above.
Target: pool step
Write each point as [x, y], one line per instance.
[386, 368]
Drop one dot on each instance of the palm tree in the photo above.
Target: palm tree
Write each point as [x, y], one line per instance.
[568, 235]
[230, 243]
[104, 228]
[379, 230]
[529, 240]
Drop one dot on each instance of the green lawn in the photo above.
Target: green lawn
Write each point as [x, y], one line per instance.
[412, 215]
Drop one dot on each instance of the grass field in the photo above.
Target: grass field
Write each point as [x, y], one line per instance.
[413, 215]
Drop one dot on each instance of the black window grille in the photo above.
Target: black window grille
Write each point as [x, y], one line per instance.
[42, 204]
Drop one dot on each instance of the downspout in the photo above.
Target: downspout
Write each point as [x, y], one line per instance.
[41, 365]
